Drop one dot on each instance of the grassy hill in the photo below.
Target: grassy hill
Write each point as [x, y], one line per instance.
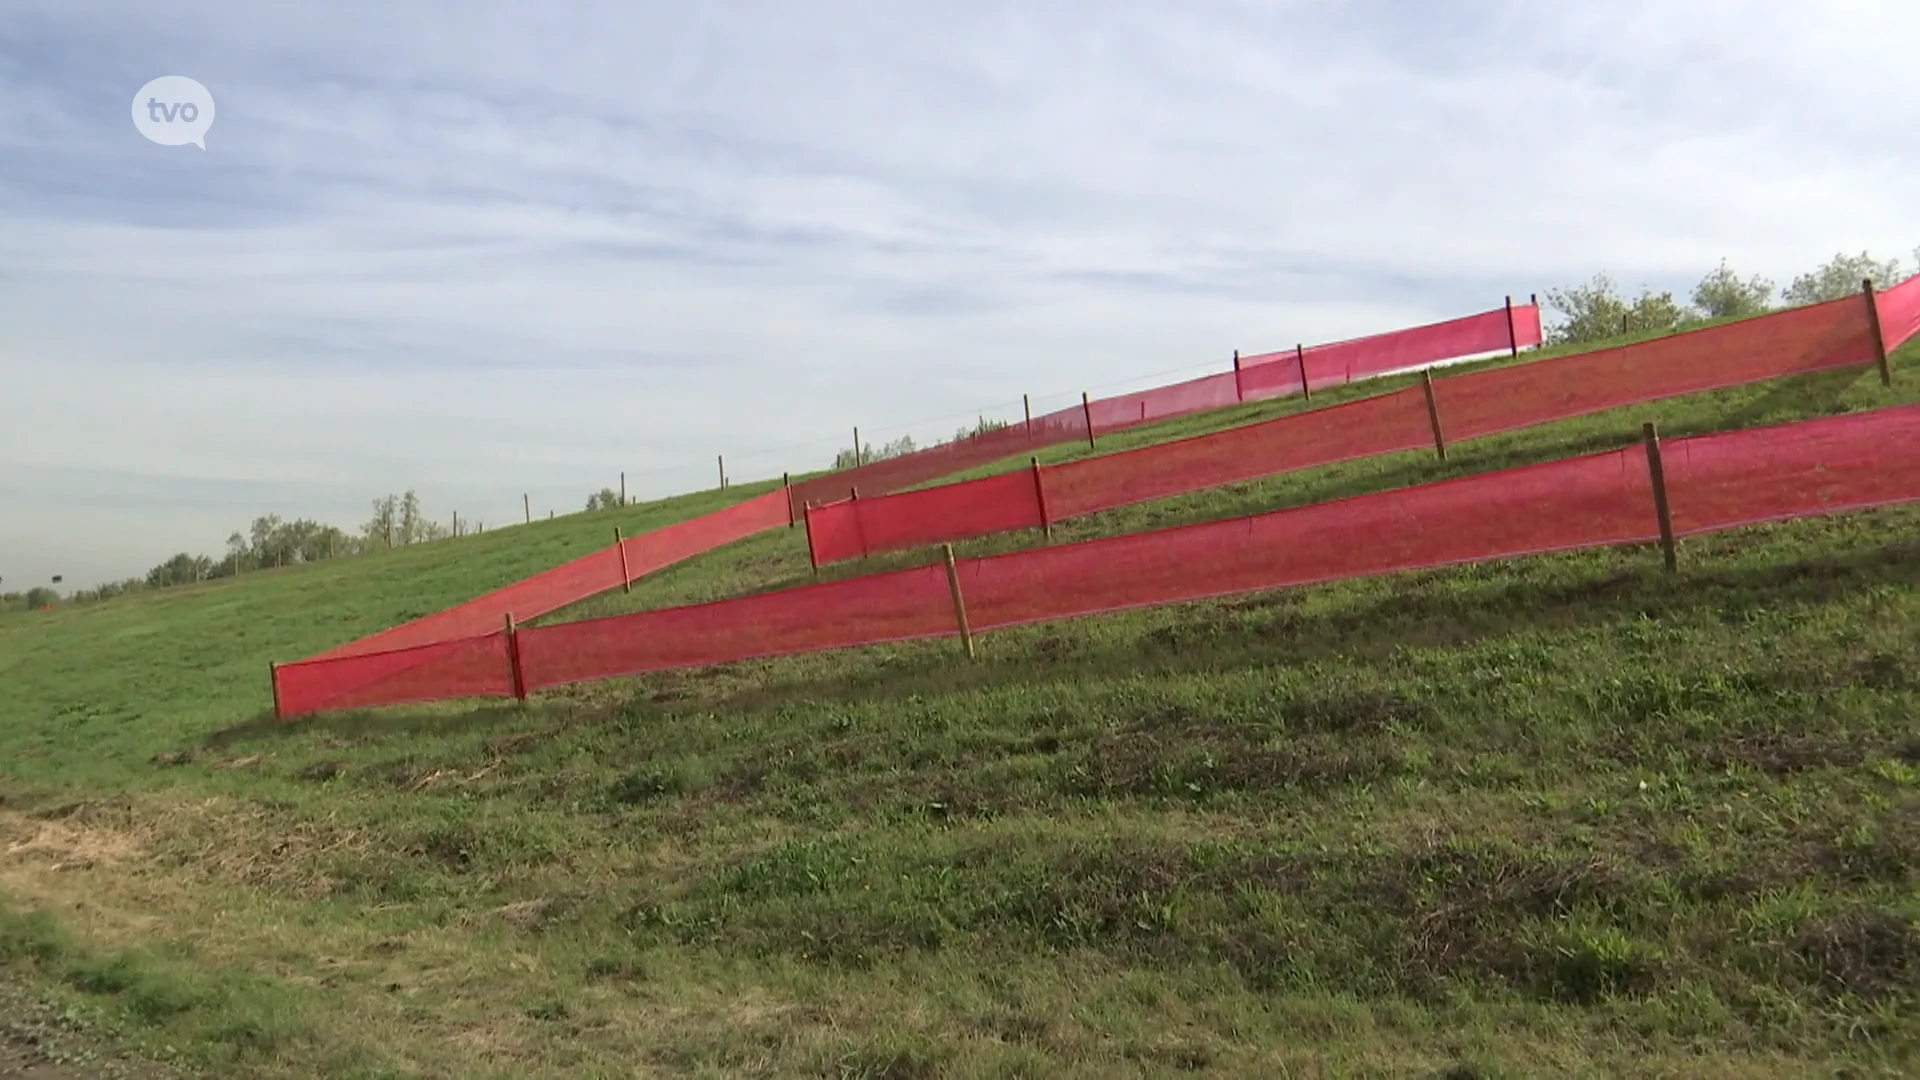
[1564, 815]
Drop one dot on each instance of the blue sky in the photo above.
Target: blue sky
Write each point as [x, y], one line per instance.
[484, 249]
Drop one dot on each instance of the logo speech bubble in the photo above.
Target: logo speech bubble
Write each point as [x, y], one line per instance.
[174, 110]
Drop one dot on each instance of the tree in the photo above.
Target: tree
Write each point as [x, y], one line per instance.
[1594, 312]
[40, 596]
[1841, 277]
[1722, 295]
[897, 448]
[604, 499]
[182, 569]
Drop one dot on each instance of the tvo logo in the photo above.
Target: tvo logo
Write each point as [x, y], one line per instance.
[174, 110]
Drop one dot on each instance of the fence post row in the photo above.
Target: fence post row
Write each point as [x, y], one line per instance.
[1433, 414]
[1879, 339]
[626, 579]
[959, 602]
[1086, 410]
[1040, 494]
[516, 676]
[1669, 548]
[1300, 357]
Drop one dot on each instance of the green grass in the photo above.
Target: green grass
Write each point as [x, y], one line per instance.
[1566, 815]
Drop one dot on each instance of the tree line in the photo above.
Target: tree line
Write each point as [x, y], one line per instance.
[268, 542]
[1593, 311]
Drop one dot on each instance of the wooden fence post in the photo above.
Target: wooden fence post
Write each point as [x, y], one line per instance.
[959, 602]
[1669, 548]
[1879, 339]
[806, 515]
[1086, 410]
[1433, 414]
[526, 506]
[857, 460]
[786, 485]
[516, 675]
[1040, 493]
[273, 679]
[722, 459]
[1026, 405]
[1300, 357]
[1513, 335]
[1238, 393]
[626, 579]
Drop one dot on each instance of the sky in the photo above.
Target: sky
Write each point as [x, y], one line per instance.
[482, 250]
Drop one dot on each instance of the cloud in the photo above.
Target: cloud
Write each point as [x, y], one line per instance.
[481, 249]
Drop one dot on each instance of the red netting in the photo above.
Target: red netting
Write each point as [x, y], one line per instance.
[468, 667]
[1345, 361]
[1162, 402]
[1260, 377]
[1899, 312]
[894, 606]
[1601, 499]
[858, 527]
[1789, 342]
[908, 470]
[1793, 470]
[581, 579]
[1714, 482]
[1375, 425]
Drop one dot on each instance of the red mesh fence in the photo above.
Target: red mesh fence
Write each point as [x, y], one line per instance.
[1601, 499]
[1345, 361]
[404, 663]
[1470, 405]
[907, 470]
[580, 579]
[895, 606]
[1265, 376]
[1714, 482]
[1834, 334]
[853, 528]
[1899, 309]
[1793, 470]
[467, 667]
[1375, 425]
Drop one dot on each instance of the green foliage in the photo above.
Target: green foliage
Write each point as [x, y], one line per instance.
[1594, 312]
[604, 499]
[1722, 295]
[899, 447]
[1842, 276]
[41, 596]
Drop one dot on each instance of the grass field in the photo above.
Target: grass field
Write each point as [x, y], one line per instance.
[1568, 815]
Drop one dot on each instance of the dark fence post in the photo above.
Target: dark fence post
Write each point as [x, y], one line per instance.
[1433, 414]
[1879, 339]
[1669, 548]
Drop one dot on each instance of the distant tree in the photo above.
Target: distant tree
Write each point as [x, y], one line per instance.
[40, 596]
[899, 447]
[604, 499]
[1722, 295]
[1594, 312]
[1841, 277]
[980, 427]
[182, 569]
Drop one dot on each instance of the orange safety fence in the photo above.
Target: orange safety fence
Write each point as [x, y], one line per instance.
[1468, 406]
[1899, 311]
[1713, 482]
[1253, 378]
[361, 672]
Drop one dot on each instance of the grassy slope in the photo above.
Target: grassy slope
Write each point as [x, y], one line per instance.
[1564, 814]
